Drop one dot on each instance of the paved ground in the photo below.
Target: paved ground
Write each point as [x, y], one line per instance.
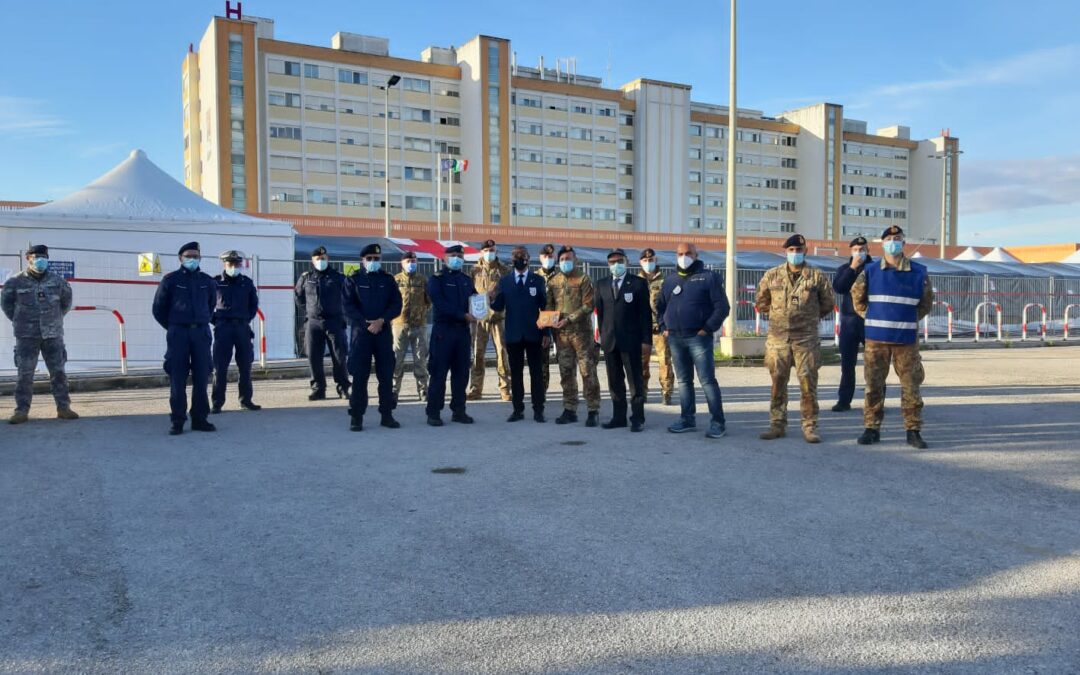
[284, 543]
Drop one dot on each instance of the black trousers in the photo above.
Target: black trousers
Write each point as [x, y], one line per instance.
[232, 337]
[518, 352]
[851, 336]
[623, 367]
[449, 351]
[362, 348]
[318, 335]
[187, 351]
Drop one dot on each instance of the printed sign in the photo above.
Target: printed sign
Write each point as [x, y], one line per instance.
[350, 268]
[149, 264]
[65, 268]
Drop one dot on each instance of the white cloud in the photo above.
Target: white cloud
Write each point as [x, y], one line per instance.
[1004, 185]
[22, 117]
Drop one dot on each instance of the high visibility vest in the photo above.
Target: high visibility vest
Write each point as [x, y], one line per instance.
[893, 296]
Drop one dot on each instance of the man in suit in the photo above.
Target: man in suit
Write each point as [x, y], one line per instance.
[522, 294]
[625, 316]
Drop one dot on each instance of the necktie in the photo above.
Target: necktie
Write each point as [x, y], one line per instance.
[615, 286]
[521, 280]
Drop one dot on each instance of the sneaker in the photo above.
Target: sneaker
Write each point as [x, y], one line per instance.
[841, 407]
[682, 426]
[869, 436]
[915, 440]
[716, 430]
[567, 417]
[773, 432]
[66, 414]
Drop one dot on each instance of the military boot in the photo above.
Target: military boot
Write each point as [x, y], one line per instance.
[869, 436]
[19, 417]
[773, 432]
[915, 439]
[66, 413]
[810, 435]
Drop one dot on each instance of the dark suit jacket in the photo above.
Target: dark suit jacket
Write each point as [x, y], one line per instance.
[522, 305]
[624, 324]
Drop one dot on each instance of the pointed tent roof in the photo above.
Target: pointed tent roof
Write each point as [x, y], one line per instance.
[969, 253]
[1074, 258]
[917, 254]
[1000, 255]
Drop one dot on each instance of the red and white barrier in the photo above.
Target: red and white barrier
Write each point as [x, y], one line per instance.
[978, 309]
[1068, 309]
[926, 322]
[836, 325]
[262, 337]
[123, 332]
[1024, 321]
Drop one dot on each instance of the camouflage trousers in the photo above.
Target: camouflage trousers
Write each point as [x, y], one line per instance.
[26, 358]
[482, 330]
[805, 355]
[877, 357]
[663, 356]
[576, 350]
[416, 339]
[545, 365]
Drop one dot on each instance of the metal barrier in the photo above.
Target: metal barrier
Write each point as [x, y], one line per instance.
[757, 318]
[926, 322]
[123, 332]
[262, 337]
[1068, 308]
[978, 308]
[836, 325]
[1024, 320]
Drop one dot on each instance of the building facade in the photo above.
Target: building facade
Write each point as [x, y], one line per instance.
[281, 127]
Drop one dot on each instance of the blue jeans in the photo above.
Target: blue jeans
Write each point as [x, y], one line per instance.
[690, 353]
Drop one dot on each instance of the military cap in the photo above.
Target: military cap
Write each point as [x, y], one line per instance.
[40, 250]
[232, 256]
[795, 240]
[190, 246]
[647, 253]
[456, 248]
[566, 249]
[547, 249]
[490, 243]
[858, 241]
[408, 255]
[321, 250]
[892, 230]
[616, 252]
[371, 249]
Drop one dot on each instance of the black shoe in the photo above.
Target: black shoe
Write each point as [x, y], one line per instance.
[357, 423]
[176, 429]
[538, 416]
[343, 391]
[389, 422]
[869, 436]
[841, 407]
[593, 419]
[516, 416]
[637, 426]
[202, 425]
[215, 410]
[914, 439]
[461, 418]
[318, 395]
[613, 424]
[567, 417]
[248, 405]
[434, 421]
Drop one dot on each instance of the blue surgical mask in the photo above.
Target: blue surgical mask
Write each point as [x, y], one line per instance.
[320, 264]
[371, 266]
[191, 264]
[566, 266]
[232, 271]
[617, 269]
[489, 256]
[455, 263]
[893, 246]
[648, 266]
[409, 267]
[547, 262]
[41, 264]
[861, 255]
[796, 259]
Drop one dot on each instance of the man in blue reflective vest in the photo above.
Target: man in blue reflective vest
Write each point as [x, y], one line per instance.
[892, 296]
[851, 324]
[237, 305]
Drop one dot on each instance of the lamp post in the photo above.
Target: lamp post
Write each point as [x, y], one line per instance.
[394, 79]
[731, 274]
[945, 156]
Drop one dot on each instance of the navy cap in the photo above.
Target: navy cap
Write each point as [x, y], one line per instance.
[408, 255]
[321, 250]
[858, 241]
[371, 249]
[616, 252]
[647, 253]
[891, 231]
[232, 256]
[795, 240]
[39, 250]
[190, 246]
[456, 248]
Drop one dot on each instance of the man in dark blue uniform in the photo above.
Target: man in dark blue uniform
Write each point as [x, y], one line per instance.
[237, 305]
[450, 344]
[522, 295]
[318, 296]
[183, 305]
[371, 301]
[851, 324]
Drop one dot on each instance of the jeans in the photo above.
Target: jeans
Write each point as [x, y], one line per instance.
[691, 353]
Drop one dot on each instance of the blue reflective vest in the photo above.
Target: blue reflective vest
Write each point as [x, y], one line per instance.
[893, 299]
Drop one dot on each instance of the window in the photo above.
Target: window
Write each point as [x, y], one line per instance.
[555, 185]
[694, 177]
[603, 214]
[581, 108]
[321, 135]
[317, 72]
[626, 144]
[695, 153]
[626, 119]
[603, 136]
[416, 114]
[580, 134]
[787, 227]
[581, 188]
[416, 84]
[285, 99]
[714, 179]
[351, 76]
[626, 169]
[417, 144]
[528, 183]
[581, 212]
[713, 132]
[748, 136]
[695, 129]
[530, 128]
[291, 133]
[417, 173]
[447, 149]
[787, 206]
[714, 156]
[285, 163]
[626, 193]
[529, 156]
[355, 199]
[422, 203]
[354, 138]
[694, 223]
[528, 101]
[321, 166]
[321, 197]
[788, 162]
[319, 103]
[528, 210]
[447, 90]
[604, 188]
[787, 184]
[354, 169]
[788, 141]
[555, 211]
[626, 218]
[556, 130]
[714, 202]
[695, 200]
[606, 111]
[581, 160]
[555, 103]
[352, 107]
[714, 224]
[279, 67]
[772, 183]
[555, 158]
[449, 120]
[278, 194]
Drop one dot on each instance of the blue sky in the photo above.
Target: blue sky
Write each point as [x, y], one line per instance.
[83, 83]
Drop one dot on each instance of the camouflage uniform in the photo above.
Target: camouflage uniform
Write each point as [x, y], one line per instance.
[905, 358]
[545, 354]
[486, 277]
[795, 302]
[572, 295]
[410, 330]
[660, 349]
[36, 305]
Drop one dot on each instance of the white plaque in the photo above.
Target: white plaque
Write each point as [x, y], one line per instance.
[478, 306]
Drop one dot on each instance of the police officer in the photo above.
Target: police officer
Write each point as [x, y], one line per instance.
[549, 267]
[851, 324]
[183, 306]
[571, 294]
[796, 297]
[237, 306]
[318, 296]
[485, 276]
[36, 301]
[371, 301]
[650, 272]
[892, 296]
[410, 327]
[449, 290]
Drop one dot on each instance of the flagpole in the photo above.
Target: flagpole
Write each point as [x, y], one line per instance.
[438, 194]
[450, 210]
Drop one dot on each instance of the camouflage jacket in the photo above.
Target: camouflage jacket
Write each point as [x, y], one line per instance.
[572, 296]
[415, 302]
[485, 278]
[795, 302]
[36, 305]
[547, 274]
[656, 282]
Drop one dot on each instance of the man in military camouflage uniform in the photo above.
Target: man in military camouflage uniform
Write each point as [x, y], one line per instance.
[485, 276]
[796, 297]
[36, 300]
[549, 267]
[650, 271]
[410, 327]
[571, 294]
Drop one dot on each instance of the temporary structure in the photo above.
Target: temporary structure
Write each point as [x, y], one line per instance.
[999, 254]
[969, 253]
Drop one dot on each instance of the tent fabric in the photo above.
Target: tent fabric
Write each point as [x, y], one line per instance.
[1000, 255]
[1074, 258]
[968, 253]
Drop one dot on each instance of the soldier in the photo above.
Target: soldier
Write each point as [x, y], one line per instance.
[892, 296]
[655, 278]
[318, 297]
[183, 306]
[371, 300]
[549, 267]
[796, 297]
[237, 305]
[410, 326]
[571, 294]
[36, 301]
[851, 324]
[485, 276]
[450, 291]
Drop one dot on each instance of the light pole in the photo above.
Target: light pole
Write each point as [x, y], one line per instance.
[731, 273]
[946, 156]
[394, 79]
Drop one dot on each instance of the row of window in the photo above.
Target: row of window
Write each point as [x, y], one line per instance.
[743, 225]
[406, 113]
[330, 197]
[872, 212]
[875, 151]
[347, 137]
[573, 133]
[744, 135]
[561, 185]
[314, 71]
[876, 171]
[561, 159]
[562, 211]
[563, 105]
[872, 191]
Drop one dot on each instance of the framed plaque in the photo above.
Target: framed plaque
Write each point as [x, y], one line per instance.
[478, 306]
[547, 319]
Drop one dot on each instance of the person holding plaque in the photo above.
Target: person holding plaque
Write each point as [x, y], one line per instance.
[450, 291]
[522, 295]
[571, 294]
[485, 276]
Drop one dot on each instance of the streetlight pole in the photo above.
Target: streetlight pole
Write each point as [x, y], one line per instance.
[946, 156]
[731, 273]
[394, 79]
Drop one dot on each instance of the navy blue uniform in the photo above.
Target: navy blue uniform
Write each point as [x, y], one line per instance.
[237, 305]
[183, 305]
[450, 344]
[369, 296]
[523, 303]
[851, 330]
[318, 296]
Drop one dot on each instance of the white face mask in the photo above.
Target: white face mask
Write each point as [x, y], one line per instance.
[546, 262]
[685, 262]
[489, 256]
[232, 271]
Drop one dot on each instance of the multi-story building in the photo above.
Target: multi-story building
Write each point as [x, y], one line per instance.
[282, 127]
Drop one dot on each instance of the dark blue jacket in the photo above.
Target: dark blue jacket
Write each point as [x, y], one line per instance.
[522, 305]
[842, 282]
[236, 298]
[185, 297]
[370, 296]
[449, 292]
[318, 294]
[700, 303]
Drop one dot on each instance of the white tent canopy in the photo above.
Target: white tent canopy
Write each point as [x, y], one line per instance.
[917, 254]
[969, 253]
[1074, 258]
[999, 254]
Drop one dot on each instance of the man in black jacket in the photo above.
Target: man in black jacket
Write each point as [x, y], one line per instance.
[523, 294]
[625, 317]
[851, 324]
[318, 299]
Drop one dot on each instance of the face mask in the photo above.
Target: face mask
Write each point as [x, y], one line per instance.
[893, 246]
[685, 262]
[566, 266]
[232, 271]
[861, 255]
[409, 267]
[547, 263]
[796, 259]
[372, 266]
[648, 266]
[321, 265]
[191, 264]
[41, 264]
[521, 264]
[617, 269]
[489, 256]
[455, 263]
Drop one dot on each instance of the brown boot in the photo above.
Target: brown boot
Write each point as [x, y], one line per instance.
[810, 435]
[474, 395]
[505, 396]
[66, 414]
[773, 432]
[18, 417]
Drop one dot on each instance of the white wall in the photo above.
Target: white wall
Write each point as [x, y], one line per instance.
[661, 161]
[471, 190]
[810, 199]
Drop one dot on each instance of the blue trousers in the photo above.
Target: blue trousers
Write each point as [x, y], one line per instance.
[187, 352]
[851, 336]
[687, 355]
[449, 351]
[318, 335]
[363, 347]
[232, 337]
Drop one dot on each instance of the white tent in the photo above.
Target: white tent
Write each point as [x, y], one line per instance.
[969, 253]
[999, 254]
[917, 254]
[1074, 258]
[95, 237]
